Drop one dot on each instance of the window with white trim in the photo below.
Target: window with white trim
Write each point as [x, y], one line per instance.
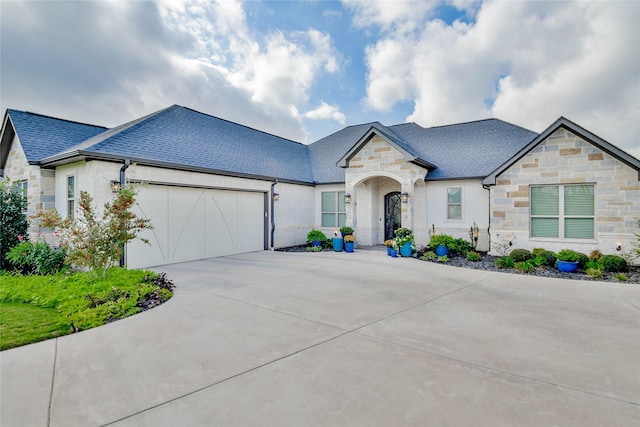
[454, 203]
[23, 186]
[333, 209]
[71, 196]
[563, 211]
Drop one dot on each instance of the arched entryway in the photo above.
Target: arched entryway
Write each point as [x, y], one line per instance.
[392, 214]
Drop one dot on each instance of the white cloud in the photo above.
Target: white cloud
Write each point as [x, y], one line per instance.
[525, 62]
[326, 112]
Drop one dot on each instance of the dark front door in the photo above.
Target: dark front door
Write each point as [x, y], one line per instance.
[392, 214]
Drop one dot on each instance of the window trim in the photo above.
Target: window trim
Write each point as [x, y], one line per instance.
[447, 204]
[338, 195]
[561, 213]
[24, 190]
[70, 198]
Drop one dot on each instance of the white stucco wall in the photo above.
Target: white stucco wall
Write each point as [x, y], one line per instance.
[475, 208]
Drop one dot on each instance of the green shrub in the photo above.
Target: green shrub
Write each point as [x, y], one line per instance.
[441, 239]
[346, 230]
[505, 262]
[549, 258]
[595, 254]
[460, 246]
[525, 266]
[429, 256]
[568, 255]
[314, 249]
[473, 256]
[316, 236]
[37, 257]
[594, 273]
[621, 277]
[613, 263]
[12, 217]
[537, 251]
[583, 259]
[443, 259]
[520, 255]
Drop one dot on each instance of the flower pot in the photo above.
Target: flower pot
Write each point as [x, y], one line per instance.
[316, 243]
[567, 266]
[348, 246]
[346, 234]
[406, 250]
[389, 249]
[394, 253]
[337, 244]
[442, 250]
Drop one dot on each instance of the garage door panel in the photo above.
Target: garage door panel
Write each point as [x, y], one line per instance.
[193, 223]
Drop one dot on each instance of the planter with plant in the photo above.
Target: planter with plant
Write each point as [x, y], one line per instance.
[316, 237]
[346, 231]
[390, 245]
[404, 241]
[349, 243]
[568, 260]
[441, 243]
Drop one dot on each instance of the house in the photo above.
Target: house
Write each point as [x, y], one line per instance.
[212, 187]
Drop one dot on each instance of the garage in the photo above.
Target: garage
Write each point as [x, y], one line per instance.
[197, 223]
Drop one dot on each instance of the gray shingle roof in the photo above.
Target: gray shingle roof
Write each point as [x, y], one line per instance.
[43, 136]
[182, 138]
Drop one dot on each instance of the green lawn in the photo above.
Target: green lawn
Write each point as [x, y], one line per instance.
[34, 308]
[22, 324]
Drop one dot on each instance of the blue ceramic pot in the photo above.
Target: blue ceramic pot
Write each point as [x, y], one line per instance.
[337, 244]
[567, 266]
[394, 253]
[389, 249]
[442, 250]
[348, 246]
[316, 243]
[406, 250]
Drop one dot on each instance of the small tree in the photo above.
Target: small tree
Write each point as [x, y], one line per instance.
[13, 220]
[97, 243]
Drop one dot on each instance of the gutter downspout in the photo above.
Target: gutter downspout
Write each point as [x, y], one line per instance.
[124, 167]
[488, 188]
[273, 219]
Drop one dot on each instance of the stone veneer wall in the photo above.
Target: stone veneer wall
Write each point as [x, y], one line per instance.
[41, 182]
[375, 159]
[564, 158]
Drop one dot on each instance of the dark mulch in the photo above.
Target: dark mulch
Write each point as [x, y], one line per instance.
[487, 263]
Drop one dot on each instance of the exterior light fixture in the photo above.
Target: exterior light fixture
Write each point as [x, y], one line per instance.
[347, 198]
[404, 197]
[115, 186]
[276, 197]
[619, 247]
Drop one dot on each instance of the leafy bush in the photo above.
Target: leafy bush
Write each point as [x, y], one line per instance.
[429, 256]
[525, 266]
[441, 240]
[537, 251]
[595, 254]
[549, 258]
[316, 236]
[594, 270]
[460, 246]
[505, 262]
[12, 217]
[93, 242]
[520, 255]
[346, 230]
[613, 263]
[314, 249]
[443, 259]
[37, 257]
[473, 256]
[583, 259]
[568, 255]
[621, 277]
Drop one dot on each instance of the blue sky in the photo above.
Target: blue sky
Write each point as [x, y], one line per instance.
[305, 69]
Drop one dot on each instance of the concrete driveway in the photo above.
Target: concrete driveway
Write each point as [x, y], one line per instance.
[304, 339]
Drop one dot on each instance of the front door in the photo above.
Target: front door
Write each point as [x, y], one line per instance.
[392, 214]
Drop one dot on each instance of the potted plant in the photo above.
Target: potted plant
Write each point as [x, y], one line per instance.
[389, 244]
[316, 237]
[568, 260]
[337, 242]
[346, 231]
[349, 242]
[441, 243]
[404, 241]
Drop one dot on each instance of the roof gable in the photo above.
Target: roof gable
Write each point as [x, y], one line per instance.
[408, 153]
[42, 136]
[576, 130]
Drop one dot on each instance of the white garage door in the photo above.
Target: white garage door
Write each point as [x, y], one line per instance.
[196, 223]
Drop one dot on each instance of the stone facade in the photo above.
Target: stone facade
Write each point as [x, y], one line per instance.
[376, 169]
[564, 158]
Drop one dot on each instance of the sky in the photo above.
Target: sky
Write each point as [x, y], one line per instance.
[305, 69]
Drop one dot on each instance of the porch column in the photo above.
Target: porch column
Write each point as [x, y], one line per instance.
[407, 207]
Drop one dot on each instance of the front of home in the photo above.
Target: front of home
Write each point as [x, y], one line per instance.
[212, 187]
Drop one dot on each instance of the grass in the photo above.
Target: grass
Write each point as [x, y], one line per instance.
[22, 324]
[70, 302]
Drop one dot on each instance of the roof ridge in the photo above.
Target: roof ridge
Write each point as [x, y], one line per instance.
[240, 124]
[55, 118]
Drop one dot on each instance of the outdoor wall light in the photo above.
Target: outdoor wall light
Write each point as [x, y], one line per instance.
[404, 197]
[619, 247]
[115, 186]
[276, 197]
[347, 198]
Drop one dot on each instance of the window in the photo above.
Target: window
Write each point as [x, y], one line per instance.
[454, 203]
[23, 186]
[333, 210]
[71, 196]
[563, 211]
